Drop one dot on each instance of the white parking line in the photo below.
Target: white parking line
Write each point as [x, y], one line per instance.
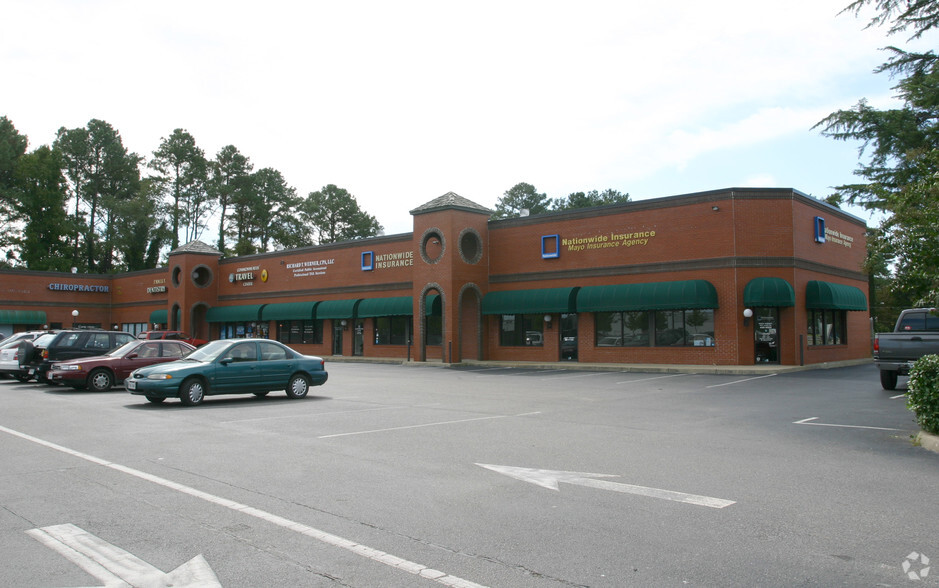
[653, 378]
[569, 376]
[741, 381]
[898, 396]
[489, 418]
[307, 415]
[808, 422]
[328, 538]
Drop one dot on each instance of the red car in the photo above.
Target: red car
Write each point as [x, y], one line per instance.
[101, 372]
[172, 335]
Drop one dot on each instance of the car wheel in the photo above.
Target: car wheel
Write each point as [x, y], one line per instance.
[100, 380]
[261, 394]
[155, 399]
[192, 392]
[888, 379]
[298, 386]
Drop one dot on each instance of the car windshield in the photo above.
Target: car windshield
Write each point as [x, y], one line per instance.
[210, 351]
[13, 343]
[44, 340]
[123, 349]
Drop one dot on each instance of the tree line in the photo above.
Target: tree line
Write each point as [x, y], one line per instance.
[898, 166]
[86, 202]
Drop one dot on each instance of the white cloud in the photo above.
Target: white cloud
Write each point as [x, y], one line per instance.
[402, 102]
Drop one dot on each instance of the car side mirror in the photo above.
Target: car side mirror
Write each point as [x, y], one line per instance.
[226, 360]
[133, 356]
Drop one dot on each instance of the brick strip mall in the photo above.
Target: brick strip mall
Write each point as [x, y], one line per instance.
[727, 277]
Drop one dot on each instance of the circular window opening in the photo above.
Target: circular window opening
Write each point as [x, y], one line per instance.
[432, 246]
[471, 246]
[176, 273]
[202, 276]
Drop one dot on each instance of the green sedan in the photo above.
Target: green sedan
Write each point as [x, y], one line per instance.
[230, 366]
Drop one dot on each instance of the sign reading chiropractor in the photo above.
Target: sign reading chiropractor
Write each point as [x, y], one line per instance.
[79, 288]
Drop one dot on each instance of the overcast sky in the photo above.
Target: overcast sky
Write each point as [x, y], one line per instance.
[401, 102]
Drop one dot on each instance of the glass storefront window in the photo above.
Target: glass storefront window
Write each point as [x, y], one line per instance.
[827, 327]
[518, 330]
[688, 328]
[300, 332]
[392, 330]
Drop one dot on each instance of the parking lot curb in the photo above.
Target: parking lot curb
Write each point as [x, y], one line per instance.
[740, 370]
[927, 441]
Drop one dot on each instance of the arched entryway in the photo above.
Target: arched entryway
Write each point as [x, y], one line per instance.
[431, 325]
[470, 324]
[198, 326]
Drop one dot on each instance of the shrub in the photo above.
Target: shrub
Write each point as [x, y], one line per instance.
[923, 396]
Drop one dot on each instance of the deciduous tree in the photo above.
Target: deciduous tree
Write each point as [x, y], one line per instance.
[333, 215]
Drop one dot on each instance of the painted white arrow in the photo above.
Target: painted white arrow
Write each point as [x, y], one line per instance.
[118, 568]
[550, 478]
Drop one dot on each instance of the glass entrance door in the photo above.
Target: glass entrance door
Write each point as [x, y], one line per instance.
[358, 340]
[337, 338]
[568, 333]
[766, 335]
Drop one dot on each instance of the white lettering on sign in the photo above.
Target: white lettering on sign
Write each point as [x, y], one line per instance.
[310, 268]
[401, 259]
[838, 238]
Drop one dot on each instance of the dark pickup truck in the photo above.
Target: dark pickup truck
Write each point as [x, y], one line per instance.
[916, 335]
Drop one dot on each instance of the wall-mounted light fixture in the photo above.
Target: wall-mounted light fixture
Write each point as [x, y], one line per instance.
[547, 320]
[715, 208]
[747, 313]
[343, 323]
[74, 318]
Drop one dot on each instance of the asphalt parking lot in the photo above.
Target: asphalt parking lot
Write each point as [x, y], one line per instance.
[393, 475]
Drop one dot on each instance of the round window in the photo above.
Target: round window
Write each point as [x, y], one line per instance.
[432, 246]
[201, 276]
[471, 246]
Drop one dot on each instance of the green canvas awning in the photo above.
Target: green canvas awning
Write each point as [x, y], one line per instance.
[680, 295]
[159, 316]
[234, 314]
[22, 317]
[336, 309]
[289, 311]
[769, 292]
[537, 301]
[828, 296]
[433, 305]
[393, 306]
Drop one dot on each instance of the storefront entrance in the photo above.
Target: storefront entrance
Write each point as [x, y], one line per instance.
[568, 337]
[766, 335]
[337, 337]
[358, 340]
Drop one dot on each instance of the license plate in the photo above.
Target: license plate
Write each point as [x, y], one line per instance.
[131, 385]
[32, 371]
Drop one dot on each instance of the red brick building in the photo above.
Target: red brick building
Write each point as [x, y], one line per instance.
[728, 277]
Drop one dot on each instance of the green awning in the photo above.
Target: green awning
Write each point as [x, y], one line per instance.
[433, 305]
[234, 314]
[768, 292]
[537, 301]
[289, 311]
[159, 316]
[336, 309]
[22, 317]
[394, 306]
[681, 295]
[828, 296]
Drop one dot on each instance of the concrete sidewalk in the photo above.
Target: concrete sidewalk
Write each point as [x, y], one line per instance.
[755, 370]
